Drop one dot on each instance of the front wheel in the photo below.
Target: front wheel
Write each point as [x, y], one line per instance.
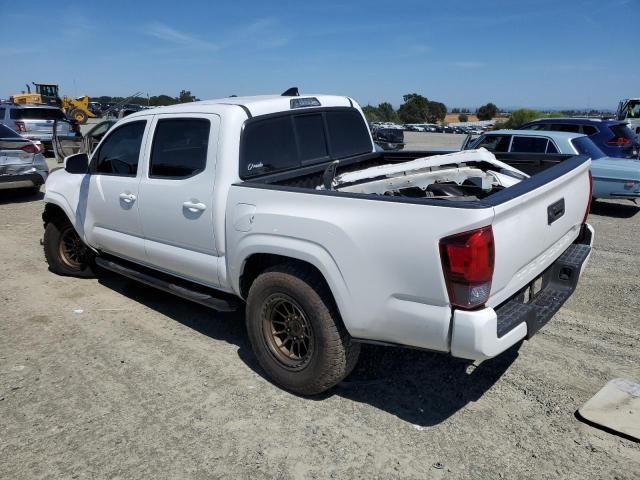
[79, 116]
[296, 331]
[65, 251]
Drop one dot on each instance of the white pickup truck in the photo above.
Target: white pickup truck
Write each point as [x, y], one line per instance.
[282, 203]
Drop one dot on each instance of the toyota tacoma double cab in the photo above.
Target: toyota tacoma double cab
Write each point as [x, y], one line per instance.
[281, 206]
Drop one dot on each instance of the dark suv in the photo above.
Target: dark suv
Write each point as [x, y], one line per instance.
[388, 138]
[613, 137]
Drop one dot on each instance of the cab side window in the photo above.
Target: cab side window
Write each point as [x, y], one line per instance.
[179, 148]
[120, 152]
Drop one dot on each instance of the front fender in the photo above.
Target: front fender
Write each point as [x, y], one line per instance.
[69, 193]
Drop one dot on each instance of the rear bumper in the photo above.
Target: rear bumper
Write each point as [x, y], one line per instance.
[485, 333]
[27, 180]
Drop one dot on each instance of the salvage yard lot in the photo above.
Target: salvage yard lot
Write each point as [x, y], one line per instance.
[110, 379]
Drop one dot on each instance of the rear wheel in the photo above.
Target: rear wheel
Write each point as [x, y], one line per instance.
[296, 331]
[65, 251]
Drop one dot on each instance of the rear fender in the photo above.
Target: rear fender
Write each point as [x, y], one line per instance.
[305, 251]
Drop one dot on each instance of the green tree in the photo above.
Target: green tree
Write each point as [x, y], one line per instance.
[521, 116]
[387, 113]
[161, 100]
[415, 109]
[524, 115]
[463, 117]
[186, 97]
[371, 113]
[437, 111]
[487, 112]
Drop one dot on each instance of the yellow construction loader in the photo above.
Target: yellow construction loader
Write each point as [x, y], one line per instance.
[47, 93]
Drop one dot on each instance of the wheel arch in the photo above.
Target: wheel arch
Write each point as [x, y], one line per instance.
[321, 264]
[52, 211]
[56, 206]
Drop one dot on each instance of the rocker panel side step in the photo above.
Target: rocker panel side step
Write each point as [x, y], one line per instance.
[199, 294]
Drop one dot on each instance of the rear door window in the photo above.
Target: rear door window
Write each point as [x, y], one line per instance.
[495, 143]
[179, 147]
[120, 151]
[589, 130]
[37, 114]
[529, 144]
[537, 126]
[565, 127]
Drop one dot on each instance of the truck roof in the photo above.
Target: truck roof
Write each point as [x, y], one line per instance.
[253, 105]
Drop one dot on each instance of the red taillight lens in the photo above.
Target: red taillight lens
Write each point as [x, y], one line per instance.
[586, 214]
[20, 127]
[30, 148]
[619, 142]
[467, 262]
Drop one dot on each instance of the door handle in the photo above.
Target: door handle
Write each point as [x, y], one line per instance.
[194, 206]
[127, 197]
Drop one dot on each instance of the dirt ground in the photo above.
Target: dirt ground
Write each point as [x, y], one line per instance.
[110, 379]
[453, 118]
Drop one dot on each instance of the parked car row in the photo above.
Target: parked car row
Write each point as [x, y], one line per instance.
[36, 122]
[22, 163]
[613, 137]
[110, 109]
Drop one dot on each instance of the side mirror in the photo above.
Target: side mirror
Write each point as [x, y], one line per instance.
[78, 163]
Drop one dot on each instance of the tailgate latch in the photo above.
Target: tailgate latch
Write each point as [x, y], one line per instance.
[555, 211]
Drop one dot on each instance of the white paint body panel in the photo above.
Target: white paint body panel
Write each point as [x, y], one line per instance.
[380, 258]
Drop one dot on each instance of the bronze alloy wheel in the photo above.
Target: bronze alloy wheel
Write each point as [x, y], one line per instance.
[287, 331]
[72, 249]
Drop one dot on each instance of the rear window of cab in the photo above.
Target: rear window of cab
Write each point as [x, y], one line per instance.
[294, 139]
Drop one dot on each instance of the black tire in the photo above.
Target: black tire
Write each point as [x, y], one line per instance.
[79, 116]
[57, 235]
[331, 353]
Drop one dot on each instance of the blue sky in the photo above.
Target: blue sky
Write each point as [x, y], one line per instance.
[537, 53]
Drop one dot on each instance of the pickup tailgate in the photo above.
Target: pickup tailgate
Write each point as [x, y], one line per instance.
[535, 222]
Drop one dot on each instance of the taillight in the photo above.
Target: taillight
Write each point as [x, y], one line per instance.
[619, 142]
[30, 148]
[586, 214]
[467, 261]
[20, 127]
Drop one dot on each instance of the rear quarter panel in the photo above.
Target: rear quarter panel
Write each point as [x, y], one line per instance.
[380, 258]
